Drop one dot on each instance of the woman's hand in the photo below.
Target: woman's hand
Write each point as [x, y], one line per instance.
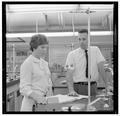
[42, 100]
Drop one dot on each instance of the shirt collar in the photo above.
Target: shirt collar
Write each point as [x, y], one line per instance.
[80, 49]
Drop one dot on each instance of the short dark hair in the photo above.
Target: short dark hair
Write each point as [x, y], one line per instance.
[37, 40]
[83, 31]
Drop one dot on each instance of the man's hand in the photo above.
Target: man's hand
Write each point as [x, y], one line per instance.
[73, 93]
[109, 88]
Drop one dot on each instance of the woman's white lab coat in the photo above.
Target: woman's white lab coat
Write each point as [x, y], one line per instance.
[34, 77]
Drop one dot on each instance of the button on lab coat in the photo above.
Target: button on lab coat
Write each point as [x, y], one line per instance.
[34, 77]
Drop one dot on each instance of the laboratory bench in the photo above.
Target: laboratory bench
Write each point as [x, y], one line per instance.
[13, 82]
[14, 98]
[60, 87]
[97, 105]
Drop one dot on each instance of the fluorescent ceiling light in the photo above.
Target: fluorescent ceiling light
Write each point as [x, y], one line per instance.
[101, 33]
[58, 34]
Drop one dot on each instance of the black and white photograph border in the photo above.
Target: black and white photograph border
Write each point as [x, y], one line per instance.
[20, 24]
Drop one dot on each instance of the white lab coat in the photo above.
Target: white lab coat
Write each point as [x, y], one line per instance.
[34, 77]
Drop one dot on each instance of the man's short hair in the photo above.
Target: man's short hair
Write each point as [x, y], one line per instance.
[37, 40]
[83, 31]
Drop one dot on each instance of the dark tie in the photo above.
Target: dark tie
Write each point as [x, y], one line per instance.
[86, 55]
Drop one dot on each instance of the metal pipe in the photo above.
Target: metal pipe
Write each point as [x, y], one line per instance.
[13, 60]
[62, 22]
[72, 46]
[36, 25]
[59, 19]
[73, 25]
[89, 56]
[70, 11]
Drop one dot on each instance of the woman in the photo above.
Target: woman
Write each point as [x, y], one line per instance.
[35, 81]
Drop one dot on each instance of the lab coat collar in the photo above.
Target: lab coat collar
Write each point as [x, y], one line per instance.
[36, 60]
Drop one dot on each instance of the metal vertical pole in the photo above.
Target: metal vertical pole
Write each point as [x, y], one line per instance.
[73, 26]
[72, 46]
[89, 56]
[13, 60]
[36, 26]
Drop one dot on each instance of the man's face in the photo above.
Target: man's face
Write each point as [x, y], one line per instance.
[83, 40]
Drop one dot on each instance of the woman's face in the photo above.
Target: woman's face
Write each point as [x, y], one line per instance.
[41, 50]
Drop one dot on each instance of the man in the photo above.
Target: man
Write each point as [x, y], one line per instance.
[77, 67]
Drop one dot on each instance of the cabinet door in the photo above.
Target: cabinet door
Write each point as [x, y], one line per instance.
[11, 102]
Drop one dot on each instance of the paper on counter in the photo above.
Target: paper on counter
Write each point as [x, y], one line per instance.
[66, 98]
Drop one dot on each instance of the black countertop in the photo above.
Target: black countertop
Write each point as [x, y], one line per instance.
[13, 82]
